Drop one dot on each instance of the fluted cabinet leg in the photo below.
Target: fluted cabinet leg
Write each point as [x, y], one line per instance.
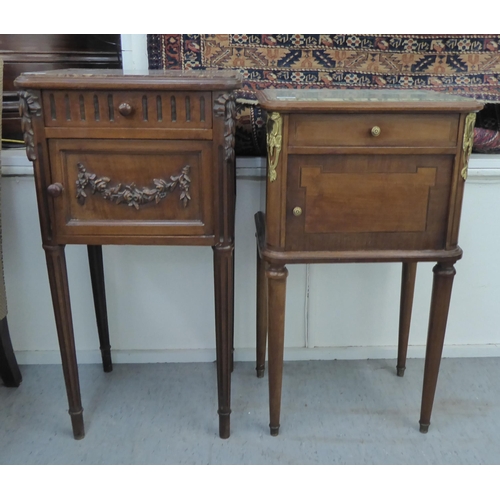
[276, 277]
[407, 291]
[9, 369]
[58, 278]
[261, 315]
[223, 279]
[99, 292]
[444, 273]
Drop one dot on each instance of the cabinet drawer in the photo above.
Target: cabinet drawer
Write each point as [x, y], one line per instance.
[367, 202]
[128, 109]
[418, 130]
[131, 188]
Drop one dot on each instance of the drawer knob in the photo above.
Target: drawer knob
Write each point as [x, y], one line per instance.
[125, 109]
[55, 190]
[375, 131]
[297, 211]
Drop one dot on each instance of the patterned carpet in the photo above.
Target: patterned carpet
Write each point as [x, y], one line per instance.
[468, 65]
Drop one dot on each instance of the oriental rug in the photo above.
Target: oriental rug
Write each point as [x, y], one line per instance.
[468, 65]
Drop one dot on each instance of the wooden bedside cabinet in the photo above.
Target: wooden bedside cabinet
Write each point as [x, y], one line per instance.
[133, 158]
[361, 176]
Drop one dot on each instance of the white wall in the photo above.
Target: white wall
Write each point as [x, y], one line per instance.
[160, 299]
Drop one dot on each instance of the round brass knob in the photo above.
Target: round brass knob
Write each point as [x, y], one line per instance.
[55, 190]
[375, 131]
[297, 211]
[125, 109]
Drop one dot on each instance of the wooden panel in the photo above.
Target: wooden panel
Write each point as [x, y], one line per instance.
[426, 130]
[368, 202]
[128, 133]
[132, 187]
[178, 110]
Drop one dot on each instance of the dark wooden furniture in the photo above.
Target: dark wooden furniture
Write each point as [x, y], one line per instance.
[361, 176]
[124, 158]
[22, 53]
[9, 369]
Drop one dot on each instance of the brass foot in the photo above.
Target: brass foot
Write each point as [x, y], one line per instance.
[424, 428]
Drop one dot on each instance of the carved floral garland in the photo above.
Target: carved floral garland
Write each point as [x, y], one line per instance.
[129, 193]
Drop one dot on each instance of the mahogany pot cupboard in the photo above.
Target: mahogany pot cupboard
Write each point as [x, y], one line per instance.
[142, 158]
[361, 176]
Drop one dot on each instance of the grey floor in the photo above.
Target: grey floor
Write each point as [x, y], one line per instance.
[333, 412]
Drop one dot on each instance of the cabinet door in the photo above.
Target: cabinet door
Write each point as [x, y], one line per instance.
[131, 188]
[368, 202]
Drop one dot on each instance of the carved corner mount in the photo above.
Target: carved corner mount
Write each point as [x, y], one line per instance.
[470, 120]
[225, 107]
[274, 141]
[29, 106]
[220, 105]
[129, 193]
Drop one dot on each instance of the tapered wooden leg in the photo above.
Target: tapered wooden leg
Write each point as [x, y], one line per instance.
[444, 273]
[407, 290]
[261, 315]
[58, 278]
[224, 304]
[231, 315]
[9, 369]
[276, 277]
[101, 313]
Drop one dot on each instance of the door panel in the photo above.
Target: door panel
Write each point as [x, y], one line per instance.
[384, 202]
[132, 187]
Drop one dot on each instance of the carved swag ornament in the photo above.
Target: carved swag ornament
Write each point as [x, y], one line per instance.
[129, 193]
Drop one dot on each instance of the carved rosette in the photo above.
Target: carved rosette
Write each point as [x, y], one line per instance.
[274, 140]
[470, 120]
[129, 193]
[225, 107]
[29, 106]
